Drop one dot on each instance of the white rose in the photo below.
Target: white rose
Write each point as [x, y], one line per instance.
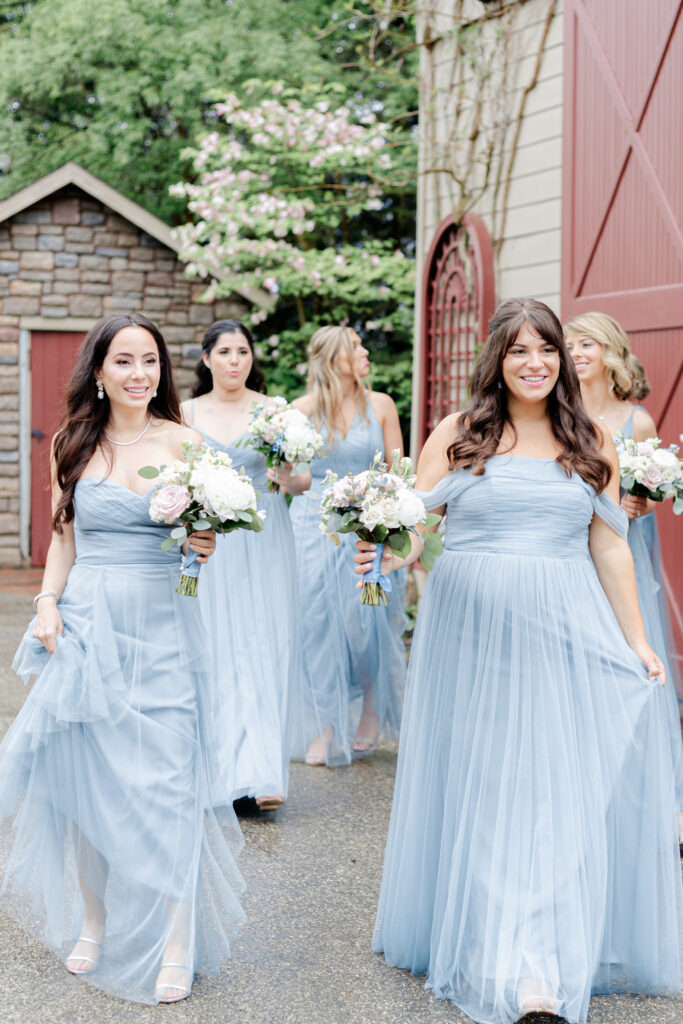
[411, 510]
[369, 517]
[225, 494]
[174, 473]
[389, 513]
[664, 459]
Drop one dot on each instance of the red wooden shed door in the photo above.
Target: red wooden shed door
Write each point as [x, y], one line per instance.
[622, 232]
[53, 355]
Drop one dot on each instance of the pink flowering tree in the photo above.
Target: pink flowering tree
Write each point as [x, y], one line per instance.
[301, 201]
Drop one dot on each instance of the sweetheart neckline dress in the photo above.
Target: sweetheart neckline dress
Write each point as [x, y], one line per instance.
[110, 767]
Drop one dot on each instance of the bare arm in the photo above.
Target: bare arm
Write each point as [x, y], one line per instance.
[61, 556]
[614, 564]
[386, 413]
[643, 428]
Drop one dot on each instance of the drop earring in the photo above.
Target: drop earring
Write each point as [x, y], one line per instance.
[154, 393]
[499, 385]
[100, 389]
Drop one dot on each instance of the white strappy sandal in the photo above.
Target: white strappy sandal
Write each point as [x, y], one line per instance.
[161, 989]
[93, 961]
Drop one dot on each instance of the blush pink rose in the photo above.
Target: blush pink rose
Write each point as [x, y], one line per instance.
[169, 502]
[653, 478]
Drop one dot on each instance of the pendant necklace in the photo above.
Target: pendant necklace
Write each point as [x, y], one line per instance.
[124, 444]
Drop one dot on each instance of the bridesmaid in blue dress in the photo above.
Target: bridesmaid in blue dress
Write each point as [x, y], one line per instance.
[602, 356]
[353, 656]
[111, 852]
[248, 591]
[531, 856]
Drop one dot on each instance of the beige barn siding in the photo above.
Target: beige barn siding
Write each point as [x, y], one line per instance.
[528, 261]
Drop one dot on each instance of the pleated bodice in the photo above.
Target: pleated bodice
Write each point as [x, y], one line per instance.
[496, 513]
[112, 526]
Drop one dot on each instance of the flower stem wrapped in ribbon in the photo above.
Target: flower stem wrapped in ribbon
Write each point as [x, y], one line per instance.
[379, 506]
[203, 492]
[283, 434]
[649, 471]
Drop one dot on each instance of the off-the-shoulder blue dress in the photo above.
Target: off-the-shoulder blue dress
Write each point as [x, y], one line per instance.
[110, 768]
[350, 652]
[532, 832]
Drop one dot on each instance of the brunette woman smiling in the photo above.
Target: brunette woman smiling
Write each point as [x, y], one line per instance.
[105, 772]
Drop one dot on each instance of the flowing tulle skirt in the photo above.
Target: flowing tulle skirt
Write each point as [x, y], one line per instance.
[247, 594]
[532, 834]
[644, 543]
[106, 773]
[351, 654]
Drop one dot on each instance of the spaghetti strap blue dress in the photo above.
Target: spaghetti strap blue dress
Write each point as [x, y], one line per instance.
[248, 599]
[109, 770]
[350, 653]
[643, 540]
[532, 836]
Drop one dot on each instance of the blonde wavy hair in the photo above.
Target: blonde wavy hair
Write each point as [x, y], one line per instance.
[641, 385]
[616, 349]
[324, 383]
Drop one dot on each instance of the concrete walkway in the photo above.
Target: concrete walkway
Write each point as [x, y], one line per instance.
[304, 956]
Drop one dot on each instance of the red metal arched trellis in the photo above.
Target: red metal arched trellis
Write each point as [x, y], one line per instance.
[458, 300]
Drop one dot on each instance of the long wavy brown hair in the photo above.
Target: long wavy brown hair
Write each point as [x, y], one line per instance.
[485, 415]
[82, 428]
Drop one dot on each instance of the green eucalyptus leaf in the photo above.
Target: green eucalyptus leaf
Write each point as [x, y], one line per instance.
[168, 543]
[148, 472]
[179, 533]
[432, 519]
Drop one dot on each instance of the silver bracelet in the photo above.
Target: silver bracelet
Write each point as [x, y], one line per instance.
[43, 593]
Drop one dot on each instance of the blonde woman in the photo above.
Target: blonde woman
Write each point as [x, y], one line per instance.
[353, 656]
[610, 377]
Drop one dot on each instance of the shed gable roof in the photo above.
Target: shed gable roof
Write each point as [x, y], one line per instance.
[72, 173]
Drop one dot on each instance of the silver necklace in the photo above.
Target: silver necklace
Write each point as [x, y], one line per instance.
[124, 444]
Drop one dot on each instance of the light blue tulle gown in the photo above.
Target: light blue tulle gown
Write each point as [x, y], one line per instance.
[350, 652]
[643, 539]
[532, 833]
[108, 767]
[247, 594]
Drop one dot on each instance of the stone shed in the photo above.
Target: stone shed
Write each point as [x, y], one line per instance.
[73, 249]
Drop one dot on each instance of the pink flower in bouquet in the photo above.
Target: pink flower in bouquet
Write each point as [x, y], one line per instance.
[653, 478]
[169, 502]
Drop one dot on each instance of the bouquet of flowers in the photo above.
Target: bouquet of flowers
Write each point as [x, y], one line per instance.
[378, 505]
[203, 492]
[284, 434]
[650, 471]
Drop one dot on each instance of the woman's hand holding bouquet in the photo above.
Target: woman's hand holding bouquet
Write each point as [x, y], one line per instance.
[284, 435]
[201, 493]
[379, 506]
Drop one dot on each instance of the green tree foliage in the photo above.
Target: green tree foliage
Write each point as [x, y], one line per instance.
[126, 87]
[123, 86]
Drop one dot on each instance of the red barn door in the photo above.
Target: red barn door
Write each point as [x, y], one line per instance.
[622, 231]
[53, 355]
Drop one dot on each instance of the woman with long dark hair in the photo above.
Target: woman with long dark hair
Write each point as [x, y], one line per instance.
[531, 856]
[353, 657]
[248, 592]
[609, 376]
[115, 857]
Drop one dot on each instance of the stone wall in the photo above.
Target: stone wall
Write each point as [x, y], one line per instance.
[69, 257]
